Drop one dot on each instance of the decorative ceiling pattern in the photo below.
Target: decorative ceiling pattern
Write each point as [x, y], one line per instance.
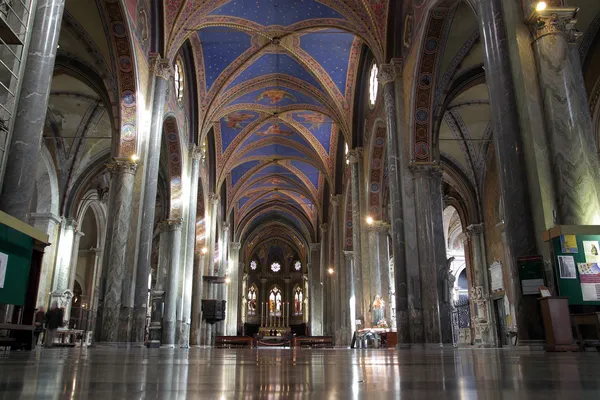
[276, 88]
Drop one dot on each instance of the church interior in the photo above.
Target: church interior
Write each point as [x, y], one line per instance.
[319, 198]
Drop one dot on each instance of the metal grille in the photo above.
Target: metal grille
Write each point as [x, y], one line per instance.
[461, 316]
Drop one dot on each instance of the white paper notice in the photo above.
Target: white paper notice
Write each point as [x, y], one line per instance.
[3, 265]
[591, 250]
[567, 267]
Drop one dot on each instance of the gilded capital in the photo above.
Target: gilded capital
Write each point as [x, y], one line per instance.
[555, 20]
[122, 166]
[161, 67]
[387, 74]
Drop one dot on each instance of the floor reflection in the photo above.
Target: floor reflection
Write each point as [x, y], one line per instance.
[110, 373]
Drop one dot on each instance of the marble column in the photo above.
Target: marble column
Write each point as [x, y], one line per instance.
[316, 290]
[324, 264]
[62, 268]
[233, 294]
[195, 153]
[395, 158]
[349, 296]
[518, 221]
[337, 304]
[358, 282]
[222, 289]
[428, 182]
[485, 334]
[77, 234]
[95, 287]
[197, 293]
[570, 128]
[214, 200]
[170, 316]
[30, 116]
[162, 73]
[119, 215]
[379, 268]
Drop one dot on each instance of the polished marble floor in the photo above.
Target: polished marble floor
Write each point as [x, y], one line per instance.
[111, 373]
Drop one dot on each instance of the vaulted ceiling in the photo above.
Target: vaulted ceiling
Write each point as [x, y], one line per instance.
[276, 87]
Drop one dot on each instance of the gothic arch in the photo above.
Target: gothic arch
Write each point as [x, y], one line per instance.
[174, 152]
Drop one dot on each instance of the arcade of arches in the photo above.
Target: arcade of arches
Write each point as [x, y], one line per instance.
[321, 166]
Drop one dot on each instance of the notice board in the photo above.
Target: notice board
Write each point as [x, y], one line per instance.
[16, 249]
[577, 267]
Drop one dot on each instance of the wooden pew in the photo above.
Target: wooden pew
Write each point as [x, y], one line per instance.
[233, 341]
[313, 341]
[592, 319]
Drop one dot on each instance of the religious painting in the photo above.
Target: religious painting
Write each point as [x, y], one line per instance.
[314, 119]
[275, 304]
[275, 130]
[298, 300]
[275, 96]
[235, 120]
[252, 300]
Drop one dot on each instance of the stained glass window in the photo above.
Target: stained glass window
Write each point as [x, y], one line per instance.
[298, 265]
[252, 300]
[275, 267]
[178, 76]
[275, 303]
[253, 265]
[298, 300]
[373, 85]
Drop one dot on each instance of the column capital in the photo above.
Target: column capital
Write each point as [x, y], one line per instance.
[214, 198]
[554, 20]
[354, 155]
[225, 226]
[69, 223]
[324, 227]
[336, 200]
[379, 226]
[161, 67]
[475, 229]
[348, 253]
[170, 224]
[428, 171]
[387, 74]
[235, 245]
[122, 165]
[315, 246]
[196, 152]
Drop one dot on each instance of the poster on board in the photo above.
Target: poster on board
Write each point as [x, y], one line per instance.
[566, 267]
[591, 250]
[3, 266]
[568, 244]
[589, 276]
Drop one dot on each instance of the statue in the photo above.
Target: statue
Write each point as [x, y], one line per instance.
[378, 310]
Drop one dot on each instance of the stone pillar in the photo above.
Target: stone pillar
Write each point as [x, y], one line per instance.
[348, 295]
[428, 184]
[197, 293]
[222, 289]
[233, 295]
[170, 316]
[359, 298]
[316, 291]
[119, 215]
[324, 264]
[62, 268]
[95, 288]
[485, 334]
[518, 222]
[162, 74]
[395, 158]
[263, 299]
[379, 266]
[77, 234]
[336, 280]
[48, 223]
[570, 128]
[30, 114]
[188, 277]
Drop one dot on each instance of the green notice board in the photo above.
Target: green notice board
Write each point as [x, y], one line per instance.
[18, 247]
[569, 272]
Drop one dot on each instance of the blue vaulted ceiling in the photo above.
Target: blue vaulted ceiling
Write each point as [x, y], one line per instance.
[278, 85]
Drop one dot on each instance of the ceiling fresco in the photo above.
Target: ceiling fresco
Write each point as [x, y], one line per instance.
[276, 88]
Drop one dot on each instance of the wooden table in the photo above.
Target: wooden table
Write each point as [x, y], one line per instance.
[592, 319]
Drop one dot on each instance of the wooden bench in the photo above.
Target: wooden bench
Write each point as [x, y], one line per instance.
[313, 341]
[233, 341]
[20, 337]
[592, 319]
